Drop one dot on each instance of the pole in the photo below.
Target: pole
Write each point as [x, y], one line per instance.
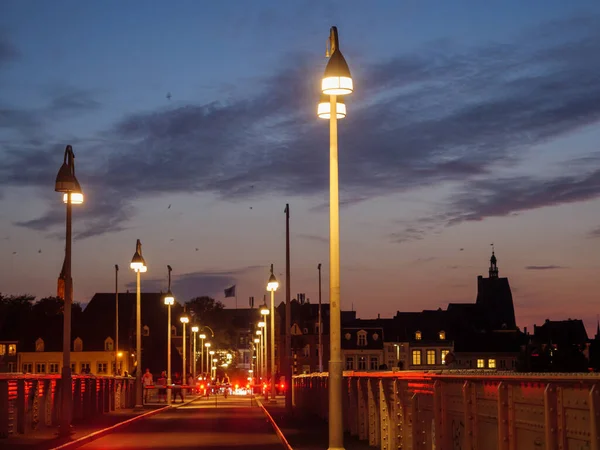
[169, 354]
[287, 368]
[320, 325]
[184, 366]
[273, 390]
[202, 358]
[66, 381]
[336, 430]
[194, 360]
[116, 320]
[138, 344]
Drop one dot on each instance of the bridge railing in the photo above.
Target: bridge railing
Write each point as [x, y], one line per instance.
[462, 409]
[30, 402]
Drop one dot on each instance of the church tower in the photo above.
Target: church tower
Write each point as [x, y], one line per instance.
[493, 266]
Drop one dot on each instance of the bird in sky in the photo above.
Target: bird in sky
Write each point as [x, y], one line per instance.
[169, 207]
[168, 96]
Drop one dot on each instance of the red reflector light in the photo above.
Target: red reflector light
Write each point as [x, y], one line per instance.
[237, 386]
[282, 385]
[201, 386]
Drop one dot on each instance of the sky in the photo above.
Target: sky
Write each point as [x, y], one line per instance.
[194, 124]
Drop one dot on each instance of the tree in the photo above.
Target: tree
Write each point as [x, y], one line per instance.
[208, 311]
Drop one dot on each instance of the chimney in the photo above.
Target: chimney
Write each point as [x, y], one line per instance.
[378, 316]
[525, 330]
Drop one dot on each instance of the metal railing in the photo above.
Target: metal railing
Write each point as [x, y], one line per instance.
[30, 402]
[470, 410]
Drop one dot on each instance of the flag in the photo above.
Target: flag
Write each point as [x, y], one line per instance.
[230, 292]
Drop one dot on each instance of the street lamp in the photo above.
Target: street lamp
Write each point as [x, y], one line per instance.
[138, 264]
[207, 345]
[257, 356]
[272, 286]
[195, 330]
[263, 348]
[169, 301]
[202, 337]
[184, 319]
[211, 353]
[320, 324]
[336, 81]
[67, 183]
[117, 369]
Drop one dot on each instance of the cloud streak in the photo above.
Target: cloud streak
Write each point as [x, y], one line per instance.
[550, 267]
[422, 119]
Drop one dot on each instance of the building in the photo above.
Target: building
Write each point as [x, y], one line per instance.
[8, 356]
[362, 348]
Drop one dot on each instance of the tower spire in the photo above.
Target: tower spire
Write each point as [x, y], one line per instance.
[493, 264]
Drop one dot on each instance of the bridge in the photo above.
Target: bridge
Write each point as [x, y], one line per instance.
[389, 410]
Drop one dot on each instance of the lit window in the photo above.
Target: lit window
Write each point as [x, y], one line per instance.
[431, 357]
[492, 363]
[374, 363]
[444, 353]
[12, 349]
[416, 357]
[418, 335]
[442, 335]
[349, 362]
[362, 363]
[2, 349]
[481, 363]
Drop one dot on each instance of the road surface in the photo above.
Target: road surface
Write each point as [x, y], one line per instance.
[231, 424]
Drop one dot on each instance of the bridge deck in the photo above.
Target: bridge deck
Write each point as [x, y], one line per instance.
[228, 424]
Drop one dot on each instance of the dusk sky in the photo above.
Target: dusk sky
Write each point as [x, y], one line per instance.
[472, 122]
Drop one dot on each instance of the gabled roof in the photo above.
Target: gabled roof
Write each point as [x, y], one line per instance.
[569, 332]
[374, 337]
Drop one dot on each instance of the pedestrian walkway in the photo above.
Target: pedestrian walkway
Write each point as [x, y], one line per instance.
[207, 424]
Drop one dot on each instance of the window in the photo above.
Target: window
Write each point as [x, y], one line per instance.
[2, 349]
[27, 367]
[78, 345]
[317, 350]
[173, 330]
[109, 344]
[73, 365]
[431, 357]
[418, 335]
[444, 353]
[306, 369]
[502, 364]
[442, 335]
[305, 330]
[492, 363]
[349, 362]
[374, 363]
[481, 363]
[40, 367]
[145, 330]
[306, 351]
[12, 366]
[53, 368]
[12, 349]
[102, 368]
[362, 363]
[317, 328]
[85, 367]
[39, 345]
[416, 357]
[362, 338]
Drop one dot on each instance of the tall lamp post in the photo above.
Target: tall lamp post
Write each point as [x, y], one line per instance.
[320, 325]
[195, 330]
[169, 301]
[184, 319]
[337, 81]
[263, 344]
[272, 286]
[117, 370]
[259, 358]
[67, 183]
[138, 264]
[256, 355]
[202, 337]
[207, 345]
[212, 360]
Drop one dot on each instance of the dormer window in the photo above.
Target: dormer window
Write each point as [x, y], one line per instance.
[78, 345]
[442, 335]
[145, 330]
[361, 338]
[173, 330]
[418, 336]
[39, 345]
[109, 344]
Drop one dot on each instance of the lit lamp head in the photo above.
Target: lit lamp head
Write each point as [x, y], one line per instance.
[184, 319]
[169, 299]
[261, 325]
[272, 285]
[202, 336]
[258, 332]
[212, 352]
[207, 345]
[324, 108]
[336, 79]
[138, 264]
[66, 181]
[195, 329]
[264, 310]
[256, 340]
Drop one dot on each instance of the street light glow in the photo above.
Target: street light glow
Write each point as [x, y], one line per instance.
[195, 329]
[184, 319]
[138, 264]
[264, 310]
[324, 108]
[203, 336]
[169, 299]
[337, 79]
